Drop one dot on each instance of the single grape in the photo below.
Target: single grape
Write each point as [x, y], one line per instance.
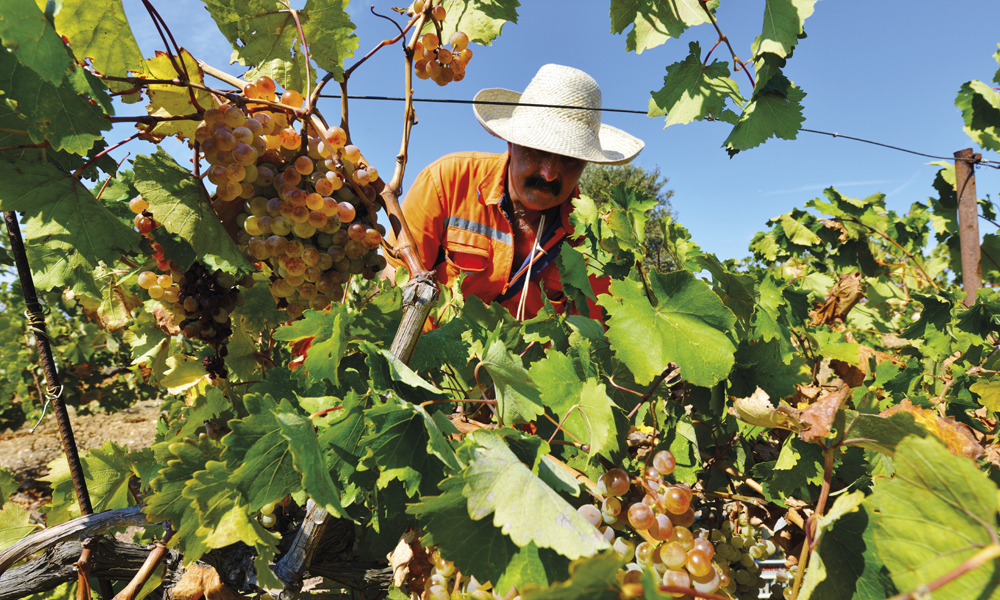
[676, 501]
[611, 506]
[707, 583]
[351, 154]
[705, 546]
[304, 165]
[677, 578]
[625, 549]
[439, 13]
[137, 205]
[682, 535]
[459, 41]
[147, 279]
[673, 555]
[640, 516]
[430, 41]
[664, 462]
[292, 98]
[698, 563]
[591, 513]
[663, 528]
[614, 483]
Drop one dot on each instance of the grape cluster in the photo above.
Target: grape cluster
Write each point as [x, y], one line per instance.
[446, 583]
[204, 303]
[661, 515]
[431, 59]
[739, 553]
[309, 216]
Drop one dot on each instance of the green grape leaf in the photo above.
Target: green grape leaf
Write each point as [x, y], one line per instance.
[8, 485]
[936, 314]
[146, 339]
[106, 470]
[738, 291]
[693, 92]
[264, 36]
[539, 566]
[656, 22]
[100, 32]
[988, 390]
[166, 502]
[881, 434]
[15, 523]
[330, 33]
[408, 445]
[575, 281]
[687, 326]
[582, 406]
[796, 232]
[68, 233]
[481, 20]
[180, 203]
[168, 100]
[761, 365]
[259, 312]
[325, 337]
[476, 547]
[27, 33]
[182, 372]
[64, 116]
[518, 397]
[242, 353]
[260, 460]
[844, 563]
[783, 20]
[440, 346]
[591, 578]
[937, 496]
[524, 507]
[980, 106]
[797, 473]
[387, 372]
[769, 114]
[682, 441]
[309, 461]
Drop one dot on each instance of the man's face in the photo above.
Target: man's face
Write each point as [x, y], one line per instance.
[538, 180]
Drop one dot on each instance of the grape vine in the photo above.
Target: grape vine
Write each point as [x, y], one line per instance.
[783, 424]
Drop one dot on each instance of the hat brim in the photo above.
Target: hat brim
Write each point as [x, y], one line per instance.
[494, 108]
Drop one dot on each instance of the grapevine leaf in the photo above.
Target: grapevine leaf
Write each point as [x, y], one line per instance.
[693, 92]
[342, 438]
[327, 338]
[687, 326]
[738, 291]
[330, 33]
[844, 563]
[408, 445]
[656, 22]
[107, 471]
[518, 397]
[881, 434]
[441, 346]
[539, 566]
[259, 312]
[796, 232]
[936, 314]
[258, 454]
[760, 365]
[980, 105]
[797, 473]
[783, 20]
[769, 114]
[574, 278]
[592, 578]
[242, 353]
[100, 31]
[146, 339]
[8, 485]
[64, 116]
[180, 203]
[682, 441]
[958, 437]
[308, 460]
[988, 390]
[15, 523]
[117, 305]
[26, 33]
[937, 496]
[476, 547]
[68, 232]
[182, 373]
[388, 373]
[481, 20]
[264, 36]
[168, 100]
[524, 507]
[583, 406]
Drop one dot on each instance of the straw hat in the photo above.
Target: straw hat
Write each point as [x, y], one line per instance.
[566, 131]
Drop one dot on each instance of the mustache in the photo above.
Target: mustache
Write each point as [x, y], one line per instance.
[539, 183]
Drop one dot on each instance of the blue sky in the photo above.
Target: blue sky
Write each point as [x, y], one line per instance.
[884, 71]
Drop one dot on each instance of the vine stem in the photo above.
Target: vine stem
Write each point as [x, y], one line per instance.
[104, 152]
[147, 569]
[724, 38]
[666, 373]
[979, 559]
[812, 537]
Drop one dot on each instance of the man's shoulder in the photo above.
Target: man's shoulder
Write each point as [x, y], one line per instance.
[457, 160]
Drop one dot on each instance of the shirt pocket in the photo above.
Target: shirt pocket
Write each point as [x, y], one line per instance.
[465, 257]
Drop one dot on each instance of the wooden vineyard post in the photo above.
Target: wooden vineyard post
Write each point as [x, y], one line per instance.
[968, 222]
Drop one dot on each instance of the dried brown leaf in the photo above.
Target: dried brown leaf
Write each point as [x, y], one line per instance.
[165, 320]
[756, 409]
[819, 416]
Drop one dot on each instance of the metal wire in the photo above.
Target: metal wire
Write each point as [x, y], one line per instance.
[985, 163]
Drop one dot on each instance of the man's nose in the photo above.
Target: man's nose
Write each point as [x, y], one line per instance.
[549, 168]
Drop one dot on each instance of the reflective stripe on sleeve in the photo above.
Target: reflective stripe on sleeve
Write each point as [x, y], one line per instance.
[490, 232]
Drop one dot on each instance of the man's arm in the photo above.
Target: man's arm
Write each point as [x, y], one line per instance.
[424, 210]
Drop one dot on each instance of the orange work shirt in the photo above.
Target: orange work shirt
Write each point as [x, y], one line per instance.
[453, 210]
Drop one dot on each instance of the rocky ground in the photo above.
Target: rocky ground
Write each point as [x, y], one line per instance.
[28, 454]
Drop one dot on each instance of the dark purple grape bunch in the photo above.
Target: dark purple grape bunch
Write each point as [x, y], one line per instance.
[207, 299]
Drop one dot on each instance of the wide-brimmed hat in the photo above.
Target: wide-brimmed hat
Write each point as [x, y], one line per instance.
[576, 132]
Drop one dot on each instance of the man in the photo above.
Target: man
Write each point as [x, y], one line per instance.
[502, 218]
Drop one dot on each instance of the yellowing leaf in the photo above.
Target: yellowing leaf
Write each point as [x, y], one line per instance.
[182, 373]
[955, 435]
[757, 410]
[167, 100]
